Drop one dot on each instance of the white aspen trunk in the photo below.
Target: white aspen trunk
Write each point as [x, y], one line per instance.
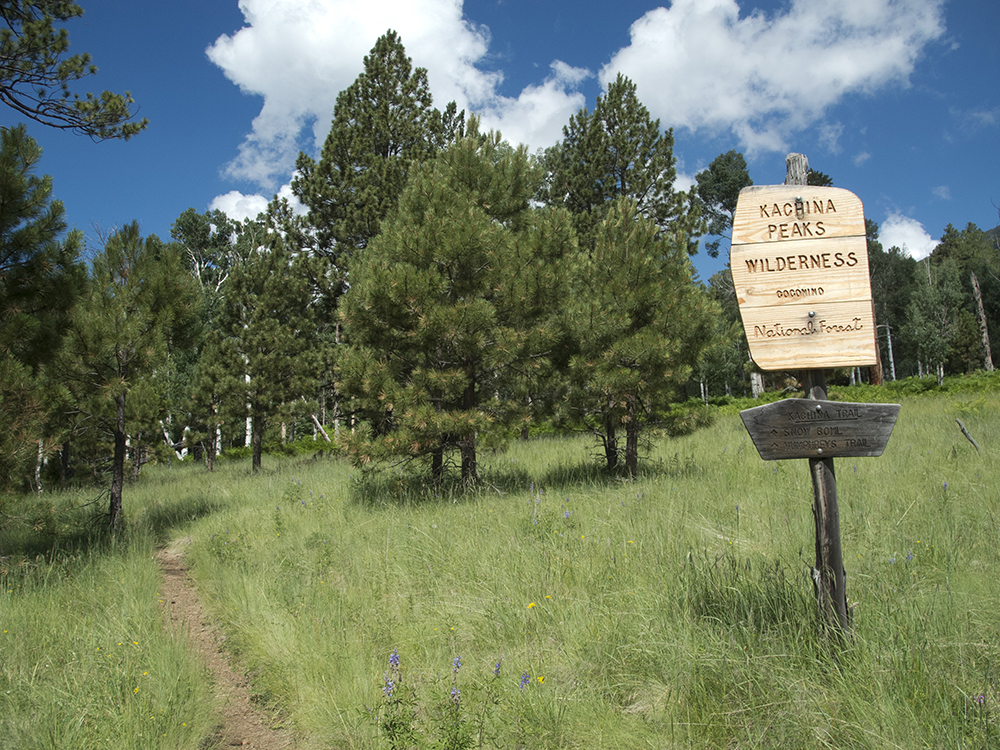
[38, 467]
[892, 362]
[318, 426]
[170, 443]
[249, 435]
[756, 384]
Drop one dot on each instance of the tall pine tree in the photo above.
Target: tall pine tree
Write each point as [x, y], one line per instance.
[383, 123]
[452, 309]
[139, 305]
[640, 322]
[267, 331]
[616, 151]
[40, 277]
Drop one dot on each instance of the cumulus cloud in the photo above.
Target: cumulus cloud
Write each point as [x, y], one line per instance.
[238, 206]
[907, 234]
[299, 54]
[699, 64]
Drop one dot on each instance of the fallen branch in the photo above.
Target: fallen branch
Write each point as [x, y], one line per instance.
[967, 435]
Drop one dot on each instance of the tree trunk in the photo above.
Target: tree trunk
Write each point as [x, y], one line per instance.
[756, 383]
[38, 467]
[64, 471]
[137, 457]
[318, 426]
[470, 469]
[632, 439]
[437, 462]
[610, 443]
[117, 467]
[892, 362]
[257, 441]
[211, 448]
[983, 329]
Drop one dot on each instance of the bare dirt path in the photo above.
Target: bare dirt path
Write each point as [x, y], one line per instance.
[243, 723]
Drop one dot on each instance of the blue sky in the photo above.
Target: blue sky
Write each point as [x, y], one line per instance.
[897, 100]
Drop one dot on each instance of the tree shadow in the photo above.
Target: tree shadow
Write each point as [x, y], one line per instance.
[55, 528]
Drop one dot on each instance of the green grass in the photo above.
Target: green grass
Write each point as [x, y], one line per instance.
[672, 611]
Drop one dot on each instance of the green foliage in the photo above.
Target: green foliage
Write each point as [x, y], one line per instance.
[618, 151]
[932, 314]
[640, 324]
[36, 74]
[40, 277]
[383, 123]
[40, 272]
[139, 307]
[452, 310]
[719, 189]
[267, 324]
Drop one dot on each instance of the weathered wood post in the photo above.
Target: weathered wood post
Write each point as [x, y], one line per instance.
[800, 269]
[829, 576]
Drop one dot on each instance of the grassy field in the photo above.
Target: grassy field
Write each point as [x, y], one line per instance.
[673, 611]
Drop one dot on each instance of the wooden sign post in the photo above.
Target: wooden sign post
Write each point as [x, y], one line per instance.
[800, 269]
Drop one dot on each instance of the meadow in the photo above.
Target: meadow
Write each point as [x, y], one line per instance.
[552, 607]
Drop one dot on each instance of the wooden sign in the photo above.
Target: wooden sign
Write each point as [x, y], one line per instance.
[799, 260]
[805, 428]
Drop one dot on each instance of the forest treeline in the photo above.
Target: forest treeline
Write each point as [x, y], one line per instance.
[443, 291]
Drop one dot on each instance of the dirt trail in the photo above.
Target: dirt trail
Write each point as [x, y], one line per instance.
[242, 723]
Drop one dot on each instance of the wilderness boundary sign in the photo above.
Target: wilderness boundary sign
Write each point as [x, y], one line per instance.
[799, 260]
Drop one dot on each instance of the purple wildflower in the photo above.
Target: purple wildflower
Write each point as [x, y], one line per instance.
[456, 664]
[525, 679]
[394, 659]
[456, 695]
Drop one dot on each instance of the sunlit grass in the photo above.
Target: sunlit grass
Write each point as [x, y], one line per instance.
[675, 610]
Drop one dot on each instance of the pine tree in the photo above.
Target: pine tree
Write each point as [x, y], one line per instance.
[617, 150]
[451, 312]
[719, 189]
[383, 123]
[36, 74]
[267, 324]
[40, 277]
[139, 304]
[640, 322]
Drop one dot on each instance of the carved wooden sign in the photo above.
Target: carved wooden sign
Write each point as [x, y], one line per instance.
[800, 268]
[805, 428]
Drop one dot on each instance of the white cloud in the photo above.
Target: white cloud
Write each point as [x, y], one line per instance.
[299, 54]
[943, 192]
[861, 158]
[238, 206]
[907, 234]
[829, 136]
[698, 64]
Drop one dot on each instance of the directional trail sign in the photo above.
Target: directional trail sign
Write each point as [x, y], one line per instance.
[805, 428]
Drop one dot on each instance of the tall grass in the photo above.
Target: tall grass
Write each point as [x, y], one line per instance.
[85, 661]
[675, 610]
